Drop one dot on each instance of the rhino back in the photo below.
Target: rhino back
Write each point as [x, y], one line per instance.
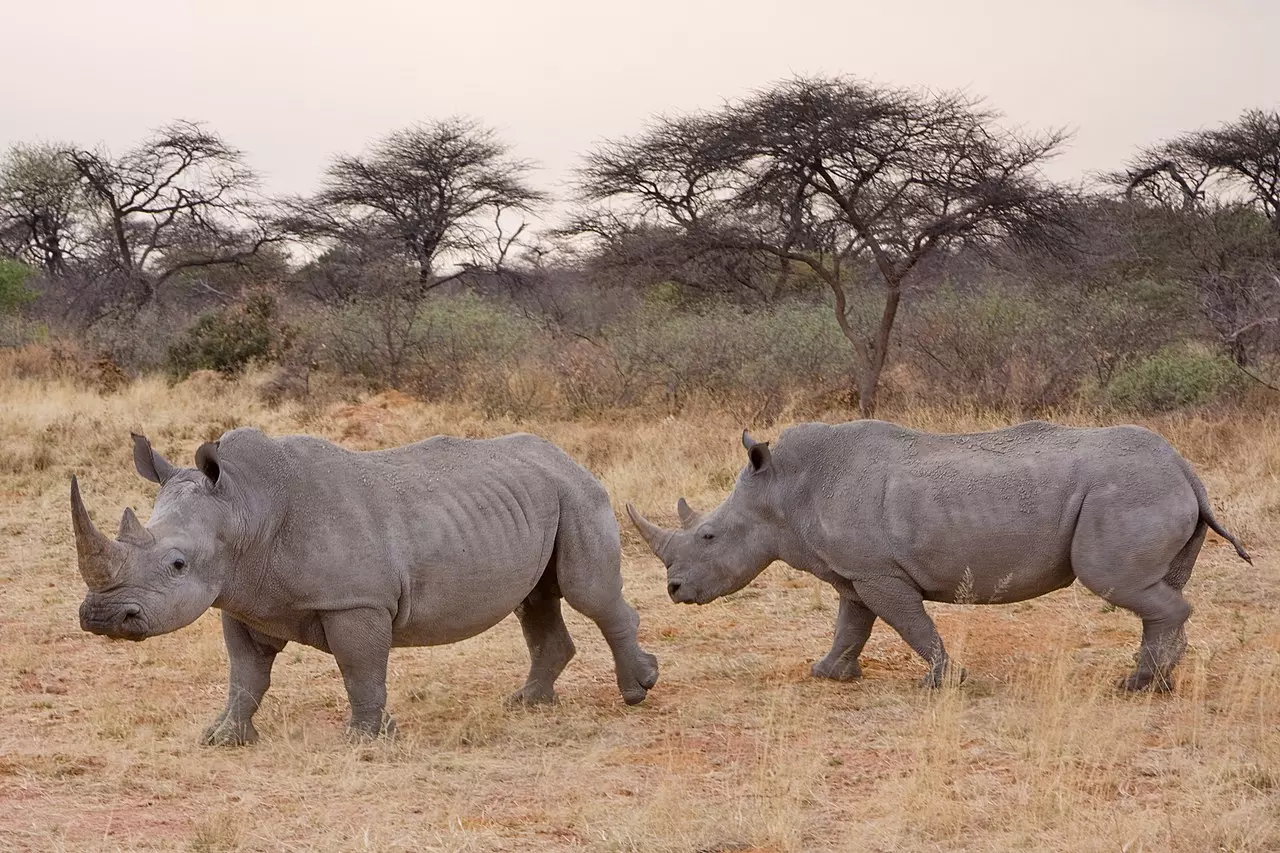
[988, 516]
[448, 534]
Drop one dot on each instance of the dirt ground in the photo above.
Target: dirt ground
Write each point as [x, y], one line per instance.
[736, 749]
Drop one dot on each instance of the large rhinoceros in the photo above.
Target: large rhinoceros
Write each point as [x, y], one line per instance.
[892, 517]
[297, 539]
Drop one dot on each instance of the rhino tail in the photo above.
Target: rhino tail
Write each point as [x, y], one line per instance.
[1206, 512]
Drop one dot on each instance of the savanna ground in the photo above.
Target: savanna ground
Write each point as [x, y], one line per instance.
[736, 749]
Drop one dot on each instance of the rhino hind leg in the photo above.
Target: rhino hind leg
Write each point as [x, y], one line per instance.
[251, 656]
[1164, 613]
[588, 569]
[550, 646]
[853, 628]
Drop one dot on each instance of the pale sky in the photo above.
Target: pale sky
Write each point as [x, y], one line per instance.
[292, 82]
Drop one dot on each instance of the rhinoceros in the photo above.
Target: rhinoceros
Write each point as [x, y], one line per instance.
[892, 517]
[296, 539]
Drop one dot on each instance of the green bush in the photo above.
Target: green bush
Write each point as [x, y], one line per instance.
[1175, 377]
[230, 339]
[14, 292]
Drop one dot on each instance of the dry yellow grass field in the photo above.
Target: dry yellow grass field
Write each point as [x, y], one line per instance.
[736, 749]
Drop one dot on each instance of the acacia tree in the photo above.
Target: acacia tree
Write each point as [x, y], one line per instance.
[42, 208]
[181, 200]
[856, 183]
[1213, 196]
[435, 190]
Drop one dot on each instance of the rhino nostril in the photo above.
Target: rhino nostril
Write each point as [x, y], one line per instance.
[672, 588]
[130, 611]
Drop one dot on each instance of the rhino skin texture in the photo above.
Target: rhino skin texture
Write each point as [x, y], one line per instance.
[892, 517]
[298, 540]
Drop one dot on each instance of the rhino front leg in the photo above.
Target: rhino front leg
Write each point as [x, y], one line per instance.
[902, 606]
[251, 656]
[550, 646]
[360, 641]
[853, 627]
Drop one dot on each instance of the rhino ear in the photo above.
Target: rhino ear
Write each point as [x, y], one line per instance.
[207, 461]
[151, 465]
[757, 451]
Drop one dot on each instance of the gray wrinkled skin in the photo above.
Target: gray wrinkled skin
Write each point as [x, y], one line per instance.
[892, 517]
[295, 539]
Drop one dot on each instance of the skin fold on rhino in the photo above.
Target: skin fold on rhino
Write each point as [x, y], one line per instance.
[893, 517]
[295, 539]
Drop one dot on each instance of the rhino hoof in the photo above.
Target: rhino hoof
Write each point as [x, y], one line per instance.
[953, 676]
[1139, 682]
[837, 671]
[363, 731]
[227, 733]
[642, 682]
[527, 697]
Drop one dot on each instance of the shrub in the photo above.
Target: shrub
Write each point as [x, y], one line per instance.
[230, 339]
[435, 349]
[14, 292]
[1175, 377]
[995, 348]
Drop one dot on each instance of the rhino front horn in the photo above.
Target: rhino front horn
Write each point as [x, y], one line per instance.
[654, 536]
[97, 555]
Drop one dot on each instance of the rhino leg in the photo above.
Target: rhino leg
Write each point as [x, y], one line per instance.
[853, 627]
[587, 564]
[550, 646]
[900, 604]
[360, 641]
[1164, 613]
[251, 656]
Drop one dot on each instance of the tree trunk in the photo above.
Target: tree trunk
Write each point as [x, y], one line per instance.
[878, 354]
[868, 384]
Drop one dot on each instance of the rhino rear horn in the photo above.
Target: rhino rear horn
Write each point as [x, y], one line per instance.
[654, 536]
[97, 555]
[132, 531]
[688, 515]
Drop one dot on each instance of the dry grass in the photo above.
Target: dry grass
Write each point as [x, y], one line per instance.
[737, 749]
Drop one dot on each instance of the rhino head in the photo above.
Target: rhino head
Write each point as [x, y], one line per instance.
[158, 578]
[720, 552]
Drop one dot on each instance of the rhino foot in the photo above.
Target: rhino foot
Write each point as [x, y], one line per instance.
[530, 695]
[837, 670]
[227, 732]
[363, 731]
[1138, 682]
[641, 679]
[951, 676]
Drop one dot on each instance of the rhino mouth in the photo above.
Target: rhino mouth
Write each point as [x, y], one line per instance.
[117, 621]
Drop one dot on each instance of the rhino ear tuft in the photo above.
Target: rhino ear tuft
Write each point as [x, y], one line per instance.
[207, 461]
[747, 441]
[151, 465]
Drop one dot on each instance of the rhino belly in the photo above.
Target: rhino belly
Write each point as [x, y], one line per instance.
[454, 598]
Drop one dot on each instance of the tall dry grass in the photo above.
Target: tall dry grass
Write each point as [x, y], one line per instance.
[736, 749]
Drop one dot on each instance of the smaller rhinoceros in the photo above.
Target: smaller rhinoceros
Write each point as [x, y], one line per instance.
[892, 517]
[295, 539]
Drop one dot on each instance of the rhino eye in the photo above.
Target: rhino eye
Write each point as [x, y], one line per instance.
[178, 564]
[708, 535]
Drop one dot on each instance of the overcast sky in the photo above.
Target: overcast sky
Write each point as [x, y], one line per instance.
[291, 82]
